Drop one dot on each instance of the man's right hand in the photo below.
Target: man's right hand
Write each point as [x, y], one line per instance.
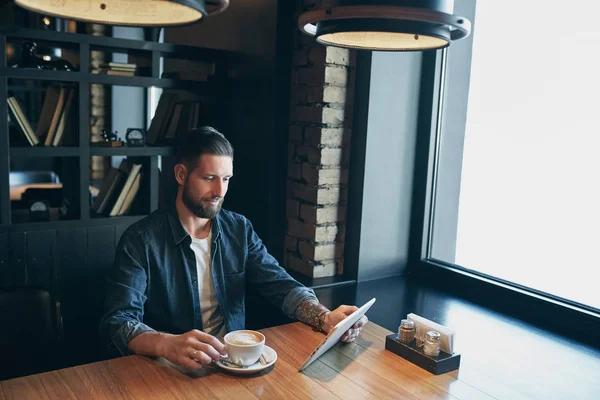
[191, 350]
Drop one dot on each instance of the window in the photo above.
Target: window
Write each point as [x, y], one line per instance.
[515, 195]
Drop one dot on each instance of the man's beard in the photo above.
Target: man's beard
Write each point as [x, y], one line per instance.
[197, 207]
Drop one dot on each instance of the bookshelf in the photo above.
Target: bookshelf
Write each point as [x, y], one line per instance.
[79, 151]
[71, 257]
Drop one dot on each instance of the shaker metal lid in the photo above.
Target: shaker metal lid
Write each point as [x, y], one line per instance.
[407, 323]
[433, 335]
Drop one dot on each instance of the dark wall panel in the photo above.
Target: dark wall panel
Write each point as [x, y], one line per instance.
[16, 258]
[72, 263]
[4, 266]
[101, 250]
[72, 252]
[40, 261]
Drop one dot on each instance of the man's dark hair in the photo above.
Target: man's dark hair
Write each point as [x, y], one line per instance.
[203, 140]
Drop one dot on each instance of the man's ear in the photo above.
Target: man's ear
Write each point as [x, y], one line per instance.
[181, 173]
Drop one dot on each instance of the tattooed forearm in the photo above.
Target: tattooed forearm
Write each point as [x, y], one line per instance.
[311, 312]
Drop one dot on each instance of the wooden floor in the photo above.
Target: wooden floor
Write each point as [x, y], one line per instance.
[501, 357]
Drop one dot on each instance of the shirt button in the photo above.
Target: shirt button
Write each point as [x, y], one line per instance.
[195, 281]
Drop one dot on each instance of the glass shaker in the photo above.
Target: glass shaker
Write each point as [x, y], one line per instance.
[406, 331]
[431, 346]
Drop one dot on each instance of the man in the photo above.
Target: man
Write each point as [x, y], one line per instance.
[179, 277]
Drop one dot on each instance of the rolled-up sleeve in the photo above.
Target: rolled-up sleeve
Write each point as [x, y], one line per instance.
[271, 280]
[295, 298]
[125, 295]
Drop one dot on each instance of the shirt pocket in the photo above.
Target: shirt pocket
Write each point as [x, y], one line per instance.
[235, 288]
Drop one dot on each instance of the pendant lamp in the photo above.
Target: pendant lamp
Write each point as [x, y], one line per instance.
[128, 12]
[385, 25]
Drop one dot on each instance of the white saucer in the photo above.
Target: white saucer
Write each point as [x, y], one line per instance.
[270, 354]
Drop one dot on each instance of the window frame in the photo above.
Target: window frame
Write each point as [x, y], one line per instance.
[545, 310]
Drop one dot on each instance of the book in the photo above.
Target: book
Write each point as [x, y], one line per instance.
[63, 119]
[161, 118]
[135, 169]
[121, 69]
[190, 120]
[115, 72]
[131, 195]
[50, 102]
[22, 120]
[114, 64]
[176, 113]
[196, 120]
[55, 117]
[110, 186]
[171, 131]
[184, 119]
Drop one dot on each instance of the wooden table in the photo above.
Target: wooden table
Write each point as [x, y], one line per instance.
[360, 370]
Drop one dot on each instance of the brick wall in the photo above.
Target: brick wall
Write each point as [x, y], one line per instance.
[319, 139]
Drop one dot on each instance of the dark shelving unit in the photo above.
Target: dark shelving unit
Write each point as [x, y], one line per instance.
[211, 91]
[40, 151]
[87, 78]
[132, 151]
[118, 45]
[64, 76]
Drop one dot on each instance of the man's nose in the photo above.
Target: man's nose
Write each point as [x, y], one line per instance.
[219, 189]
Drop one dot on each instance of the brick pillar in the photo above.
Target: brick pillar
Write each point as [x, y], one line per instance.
[319, 138]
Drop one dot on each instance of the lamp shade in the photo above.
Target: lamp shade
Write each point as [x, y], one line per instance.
[128, 12]
[385, 25]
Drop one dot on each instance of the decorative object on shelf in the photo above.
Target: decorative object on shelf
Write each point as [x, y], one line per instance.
[109, 137]
[129, 12]
[63, 210]
[384, 25]
[135, 137]
[30, 59]
[109, 140]
[48, 24]
[39, 211]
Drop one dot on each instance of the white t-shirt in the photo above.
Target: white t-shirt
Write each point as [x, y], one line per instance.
[212, 320]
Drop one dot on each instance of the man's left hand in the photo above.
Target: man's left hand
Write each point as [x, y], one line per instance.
[340, 313]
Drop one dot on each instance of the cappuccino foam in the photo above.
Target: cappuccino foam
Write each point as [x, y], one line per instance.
[244, 339]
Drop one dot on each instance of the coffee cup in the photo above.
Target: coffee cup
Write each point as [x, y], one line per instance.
[244, 347]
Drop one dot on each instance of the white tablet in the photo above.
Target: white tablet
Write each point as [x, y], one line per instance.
[336, 333]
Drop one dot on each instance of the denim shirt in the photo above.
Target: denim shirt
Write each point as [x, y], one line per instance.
[153, 283]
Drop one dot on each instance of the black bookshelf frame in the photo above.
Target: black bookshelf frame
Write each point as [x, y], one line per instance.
[212, 90]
